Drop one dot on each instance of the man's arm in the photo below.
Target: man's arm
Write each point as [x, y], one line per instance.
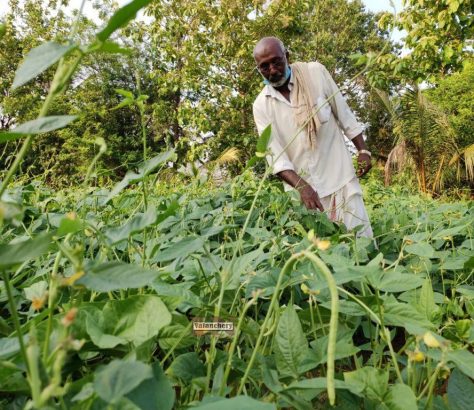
[282, 166]
[308, 195]
[363, 159]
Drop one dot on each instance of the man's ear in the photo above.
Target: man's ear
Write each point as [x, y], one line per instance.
[287, 54]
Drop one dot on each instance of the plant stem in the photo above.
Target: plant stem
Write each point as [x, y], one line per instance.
[60, 80]
[285, 270]
[51, 298]
[16, 321]
[234, 344]
[332, 338]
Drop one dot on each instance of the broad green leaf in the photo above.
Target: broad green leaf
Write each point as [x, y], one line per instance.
[155, 393]
[69, 225]
[126, 102]
[38, 126]
[252, 161]
[400, 397]
[12, 381]
[291, 344]
[469, 264]
[344, 347]
[132, 320]
[180, 249]
[464, 360]
[137, 318]
[9, 346]
[145, 169]
[175, 334]
[243, 264]
[451, 231]
[188, 299]
[86, 392]
[263, 140]
[367, 382]
[39, 59]
[399, 282]
[236, 403]
[137, 224]
[118, 378]
[460, 391]
[114, 48]
[187, 366]
[121, 17]
[125, 93]
[270, 378]
[426, 302]
[422, 249]
[101, 339]
[13, 254]
[265, 281]
[318, 383]
[466, 290]
[454, 262]
[110, 276]
[342, 275]
[405, 315]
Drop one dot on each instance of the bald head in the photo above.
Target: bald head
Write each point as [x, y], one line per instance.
[268, 45]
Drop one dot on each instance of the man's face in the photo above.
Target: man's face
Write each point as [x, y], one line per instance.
[271, 63]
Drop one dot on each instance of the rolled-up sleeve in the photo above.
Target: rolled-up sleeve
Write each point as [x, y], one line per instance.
[340, 108]
[278, 159]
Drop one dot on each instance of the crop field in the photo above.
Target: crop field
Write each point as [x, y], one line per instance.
[163, 287]
[102, 292]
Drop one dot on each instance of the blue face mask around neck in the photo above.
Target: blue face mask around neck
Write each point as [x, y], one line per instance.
[282, 81]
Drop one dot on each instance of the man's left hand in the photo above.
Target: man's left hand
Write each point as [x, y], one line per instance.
[363, 164]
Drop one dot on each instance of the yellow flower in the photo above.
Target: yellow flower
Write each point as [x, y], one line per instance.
[323, 245]
[308, 291]
[69, 317]
[430, 340]
[73, 278]
[415, 356]
[71, 216]
[38, 303]
[418, 356]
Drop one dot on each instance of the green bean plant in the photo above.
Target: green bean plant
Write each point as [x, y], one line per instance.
[101, 285]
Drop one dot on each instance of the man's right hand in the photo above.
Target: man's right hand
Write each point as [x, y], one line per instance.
[310, 198]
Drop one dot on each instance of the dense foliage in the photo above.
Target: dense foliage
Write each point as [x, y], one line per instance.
[194, 62]
[100, 283]
[106, 290]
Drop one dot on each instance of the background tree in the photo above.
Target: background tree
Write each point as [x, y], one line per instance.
[455, 95]
[194, 61]
[439, 37]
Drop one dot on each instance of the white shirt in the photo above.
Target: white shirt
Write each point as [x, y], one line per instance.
[328, 167]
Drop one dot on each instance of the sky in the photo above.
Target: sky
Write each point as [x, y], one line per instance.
[372, 5]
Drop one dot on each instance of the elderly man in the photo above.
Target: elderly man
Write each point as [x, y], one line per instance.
[308, 116]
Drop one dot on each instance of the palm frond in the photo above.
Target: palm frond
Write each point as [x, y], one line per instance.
[230, 155]
[469, 161]
[466, 155]
[397, 159]
[438, 182]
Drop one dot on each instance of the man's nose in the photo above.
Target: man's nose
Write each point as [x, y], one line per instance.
[274, 69]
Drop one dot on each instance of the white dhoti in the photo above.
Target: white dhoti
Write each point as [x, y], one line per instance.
[347, 206]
